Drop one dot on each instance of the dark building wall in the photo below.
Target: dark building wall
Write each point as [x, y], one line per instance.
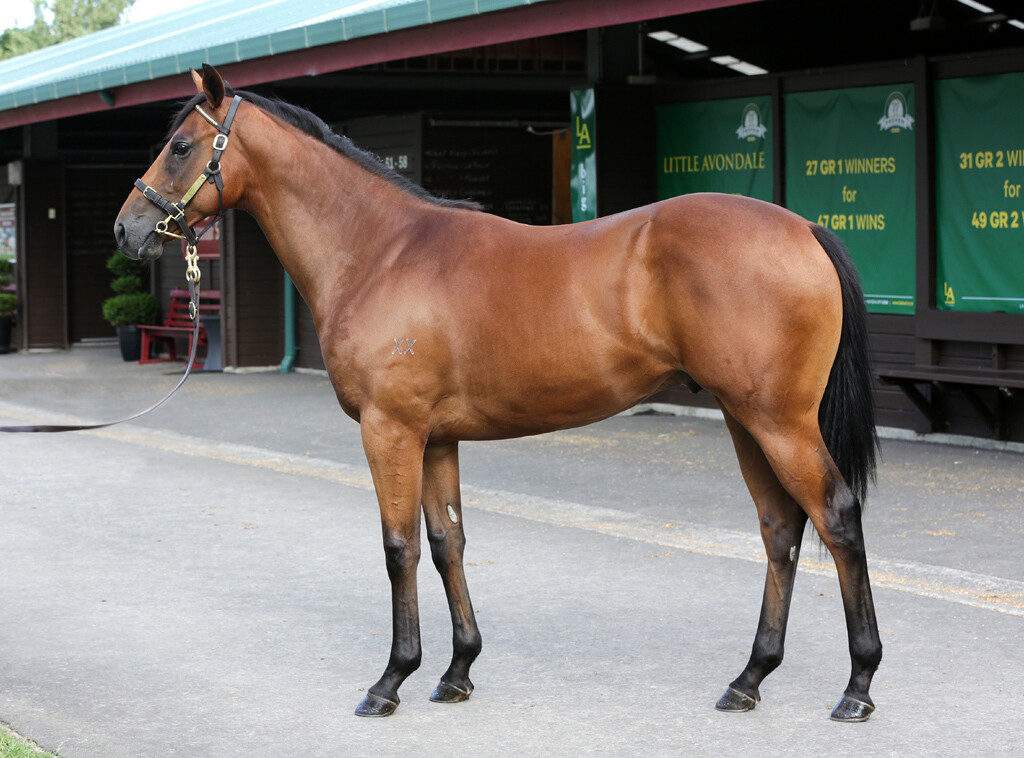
[41, 254]
[893, 342]
[94, 197]
[253, 295]
[625, 144]
[963, 417]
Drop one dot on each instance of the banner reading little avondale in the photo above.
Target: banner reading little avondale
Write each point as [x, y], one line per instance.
[715, 146]
[979, 206]
[850, 167]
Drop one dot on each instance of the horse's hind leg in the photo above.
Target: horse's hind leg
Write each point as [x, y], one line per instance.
[782, 524]
[798, 456]
[442, 508]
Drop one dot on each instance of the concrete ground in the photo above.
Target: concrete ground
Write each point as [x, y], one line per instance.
[209, 581]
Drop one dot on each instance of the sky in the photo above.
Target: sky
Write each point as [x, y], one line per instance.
[19, 12]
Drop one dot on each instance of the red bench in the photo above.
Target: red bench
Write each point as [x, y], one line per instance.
[177, 325]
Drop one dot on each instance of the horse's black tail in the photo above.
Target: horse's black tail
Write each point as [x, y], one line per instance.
[847, 412]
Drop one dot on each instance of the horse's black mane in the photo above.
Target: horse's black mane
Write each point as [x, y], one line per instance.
[314, 126]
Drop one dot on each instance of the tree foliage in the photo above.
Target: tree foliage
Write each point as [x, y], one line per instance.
[60, 20]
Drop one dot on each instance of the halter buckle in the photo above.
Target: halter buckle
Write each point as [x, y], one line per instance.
[220, 142]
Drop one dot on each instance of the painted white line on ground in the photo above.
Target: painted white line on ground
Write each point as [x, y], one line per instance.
[884, 432]
[952, 585]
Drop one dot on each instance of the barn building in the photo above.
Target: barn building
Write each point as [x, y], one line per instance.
[896, 123]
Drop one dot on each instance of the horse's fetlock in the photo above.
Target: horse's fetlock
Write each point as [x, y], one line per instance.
[869, 656]
[405, 661]
[767, 659]
[467, 645]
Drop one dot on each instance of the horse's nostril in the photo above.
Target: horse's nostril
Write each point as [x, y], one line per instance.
[120, 233]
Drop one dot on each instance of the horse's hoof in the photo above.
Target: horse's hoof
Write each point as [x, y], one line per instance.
[449, 693]
[374, 706]
[734, 701]
[852, 710]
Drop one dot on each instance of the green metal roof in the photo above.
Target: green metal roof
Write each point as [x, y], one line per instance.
[216, 32]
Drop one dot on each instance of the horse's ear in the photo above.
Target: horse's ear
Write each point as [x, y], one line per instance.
[210, 84]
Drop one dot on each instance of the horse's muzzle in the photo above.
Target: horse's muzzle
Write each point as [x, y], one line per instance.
[144, 244]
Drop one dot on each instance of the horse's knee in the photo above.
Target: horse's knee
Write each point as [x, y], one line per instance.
[401, 554]
[782, 534]
[446, 546]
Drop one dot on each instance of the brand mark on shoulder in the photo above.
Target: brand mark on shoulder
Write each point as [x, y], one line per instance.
[403, 346]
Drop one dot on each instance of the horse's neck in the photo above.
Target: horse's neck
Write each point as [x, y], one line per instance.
[331, 222]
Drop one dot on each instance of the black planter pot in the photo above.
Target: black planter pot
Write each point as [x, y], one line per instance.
[5, 334]
[130, 340]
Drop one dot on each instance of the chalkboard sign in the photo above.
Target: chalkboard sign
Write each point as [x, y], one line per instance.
[506, 169]
[396, 140]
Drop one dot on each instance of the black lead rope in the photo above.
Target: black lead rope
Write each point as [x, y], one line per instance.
[81, 427]
[176, 213]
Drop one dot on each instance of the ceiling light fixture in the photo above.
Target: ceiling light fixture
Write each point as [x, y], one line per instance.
[977, 6]
[741, 67]
[692, 46]
[748, 68]
[683, 43]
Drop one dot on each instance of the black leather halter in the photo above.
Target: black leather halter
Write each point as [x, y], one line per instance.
[176, 213]
[210, 175]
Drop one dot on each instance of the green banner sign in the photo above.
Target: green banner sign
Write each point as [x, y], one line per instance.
[583, 179]
[979, 207]
[850, 167]
[716, 146]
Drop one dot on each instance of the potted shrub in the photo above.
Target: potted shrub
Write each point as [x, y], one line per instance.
[129, 306]
[8, 305]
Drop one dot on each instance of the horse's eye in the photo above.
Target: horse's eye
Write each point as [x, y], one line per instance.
[181, 149]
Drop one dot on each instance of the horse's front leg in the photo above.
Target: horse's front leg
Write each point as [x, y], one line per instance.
[442, 508]
[395, 455]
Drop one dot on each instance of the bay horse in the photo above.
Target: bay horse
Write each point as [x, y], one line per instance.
[441, 323]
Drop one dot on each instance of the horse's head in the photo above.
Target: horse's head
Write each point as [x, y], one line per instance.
[187, 182]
